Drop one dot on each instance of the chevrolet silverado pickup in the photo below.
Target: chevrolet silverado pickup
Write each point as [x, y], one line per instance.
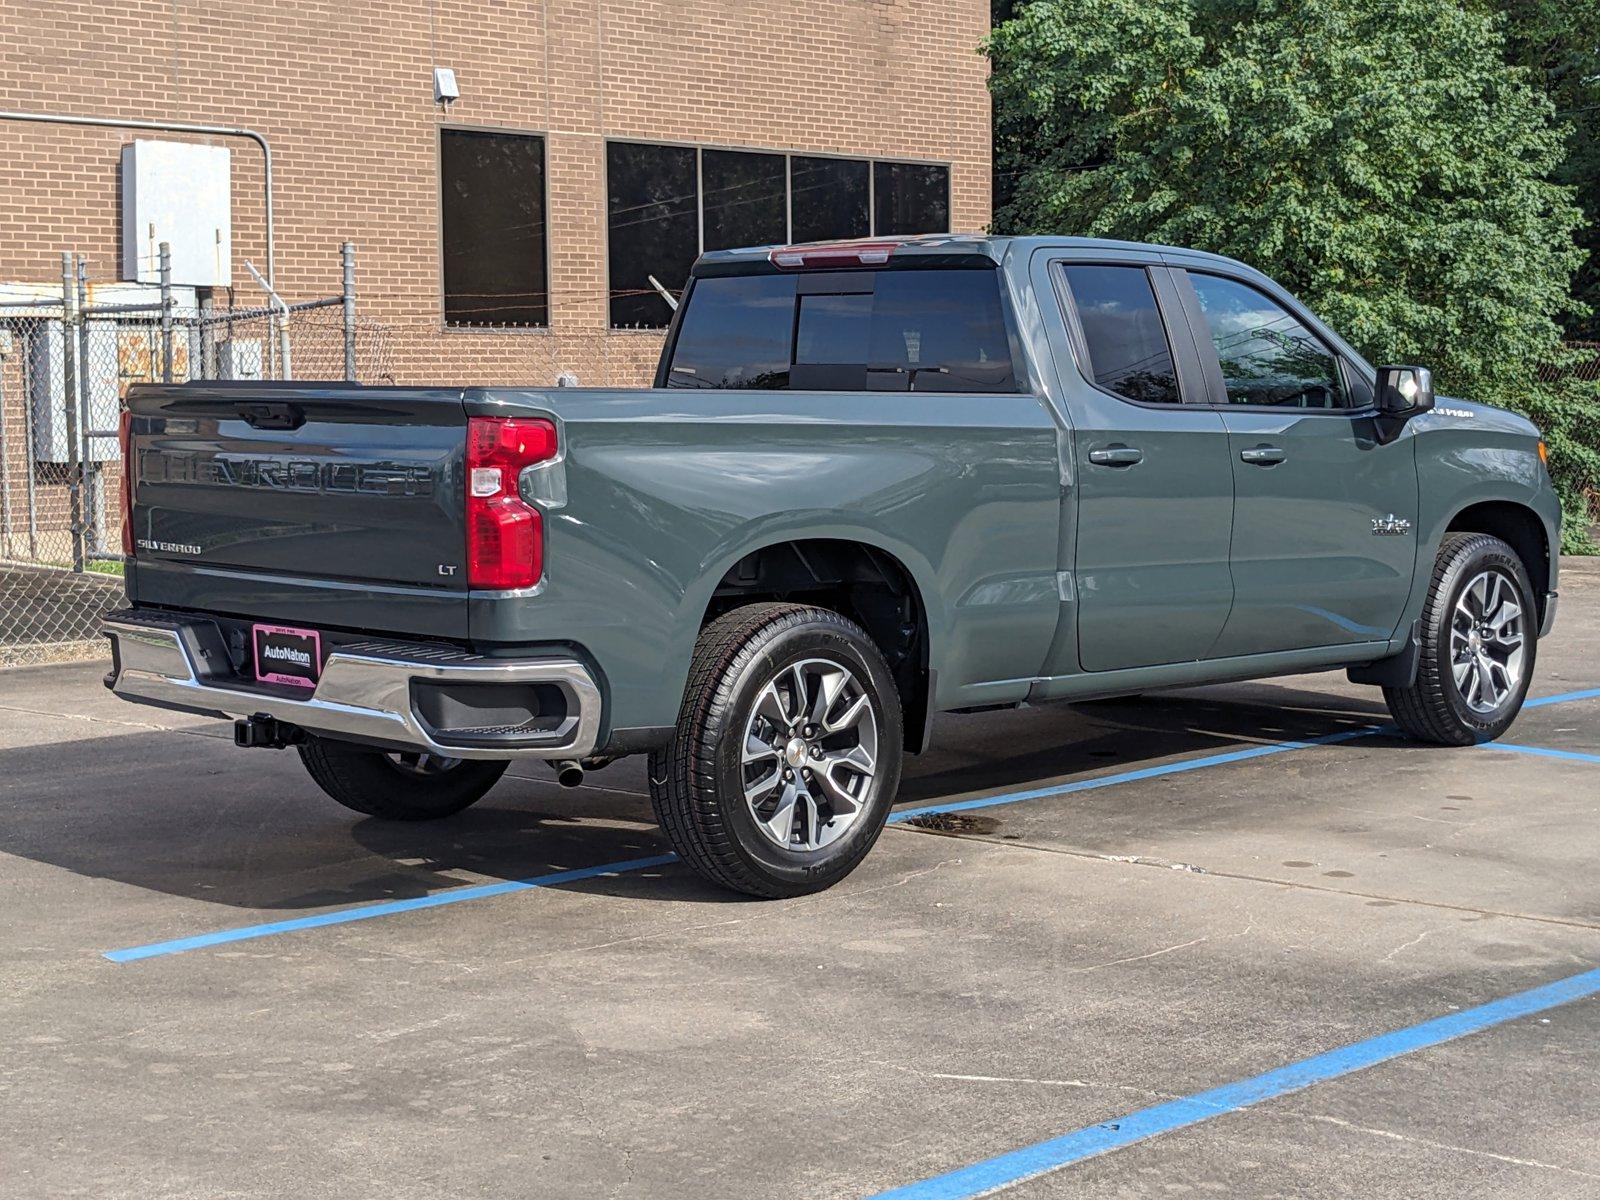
[873, 481]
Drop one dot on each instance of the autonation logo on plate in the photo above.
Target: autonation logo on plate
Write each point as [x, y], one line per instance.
[287, 655]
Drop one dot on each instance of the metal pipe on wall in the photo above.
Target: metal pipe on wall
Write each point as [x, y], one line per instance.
[179, 127]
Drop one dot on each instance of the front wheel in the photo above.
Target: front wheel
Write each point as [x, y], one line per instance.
[786, 757]
[1479, 636]
[397, 786]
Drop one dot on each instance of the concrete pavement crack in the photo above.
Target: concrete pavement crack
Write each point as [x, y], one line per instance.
[1244, 877]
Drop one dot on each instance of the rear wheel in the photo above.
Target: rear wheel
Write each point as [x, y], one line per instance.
[786, 756]
[1479, 636]
[396, 786]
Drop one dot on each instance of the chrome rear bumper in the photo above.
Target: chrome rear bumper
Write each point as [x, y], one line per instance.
[364, 693]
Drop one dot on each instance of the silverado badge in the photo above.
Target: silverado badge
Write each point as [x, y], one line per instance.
[1390, 526]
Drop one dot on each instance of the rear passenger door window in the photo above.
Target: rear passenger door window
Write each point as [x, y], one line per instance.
[1126, 341]
[1268, 357]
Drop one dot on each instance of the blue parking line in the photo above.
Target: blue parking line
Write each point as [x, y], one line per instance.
[1543, 751]
[1029, 1162]
[1103, 781]
[366, 912]
[345, 916]
[1562, 698]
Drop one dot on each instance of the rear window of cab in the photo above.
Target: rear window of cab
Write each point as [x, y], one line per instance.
[925, 330]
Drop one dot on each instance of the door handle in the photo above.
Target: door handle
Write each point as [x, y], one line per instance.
[1263, 456]
[272, 416]
[1116, 456]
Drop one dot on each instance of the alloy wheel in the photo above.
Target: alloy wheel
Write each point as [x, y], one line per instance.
[408, 763]
[1487, 641]
[810, 754]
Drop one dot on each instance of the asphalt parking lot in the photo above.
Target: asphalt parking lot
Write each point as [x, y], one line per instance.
[1227, 941]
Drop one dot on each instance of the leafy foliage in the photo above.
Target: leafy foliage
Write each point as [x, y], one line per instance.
[1559, 41]
[1378, 157]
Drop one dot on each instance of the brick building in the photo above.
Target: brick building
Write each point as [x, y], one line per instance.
[520, 230]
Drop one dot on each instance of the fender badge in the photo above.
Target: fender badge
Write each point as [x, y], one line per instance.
[1390, 526]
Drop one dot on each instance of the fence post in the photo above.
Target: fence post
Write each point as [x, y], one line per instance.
[69, 395]
[285, 371]
[94, 491]
[5, 450]
[166, 315]
[203, 343]
[348, 253]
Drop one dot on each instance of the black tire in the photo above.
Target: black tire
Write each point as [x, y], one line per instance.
[1433, 709]
[697, 783]
[383, 785]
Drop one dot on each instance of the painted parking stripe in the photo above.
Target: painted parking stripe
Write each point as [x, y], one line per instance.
[1562, 698]
[1543, 751]
[344, 916]
[366, 912]
[1029, 1162]
[1104, 781]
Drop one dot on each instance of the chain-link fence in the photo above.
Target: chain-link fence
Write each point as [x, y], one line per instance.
[1584, 364]
[66, 362]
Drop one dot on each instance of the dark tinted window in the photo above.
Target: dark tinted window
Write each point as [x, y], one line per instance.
[944, 331]
[735, 334]
[492, 213]
[830, 199]
[744, 198]
[652, 226]
[910, 198]
[832, 334]
[933, 330]
[1127, 342]
[1268, 357]
[668, 204]
[833, 329]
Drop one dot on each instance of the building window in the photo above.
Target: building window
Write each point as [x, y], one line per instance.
[744, 198]
[492, 206]
[832, 198]
[910, 198]
[653, 227]
[668, 204]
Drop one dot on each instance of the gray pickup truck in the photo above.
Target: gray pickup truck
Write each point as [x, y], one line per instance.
[874, 481]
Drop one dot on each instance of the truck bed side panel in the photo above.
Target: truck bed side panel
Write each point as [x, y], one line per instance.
[667, 489]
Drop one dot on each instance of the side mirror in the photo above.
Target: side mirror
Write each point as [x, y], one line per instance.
[1404, 391]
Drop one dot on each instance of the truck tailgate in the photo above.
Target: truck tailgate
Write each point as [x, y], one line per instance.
[279, 501]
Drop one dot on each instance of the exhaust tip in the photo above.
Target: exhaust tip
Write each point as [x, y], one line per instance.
[569, 772]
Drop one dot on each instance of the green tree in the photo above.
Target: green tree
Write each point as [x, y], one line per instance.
[1559, 41]
[1379, 157]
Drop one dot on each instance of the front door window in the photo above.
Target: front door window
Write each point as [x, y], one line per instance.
[1269, 359]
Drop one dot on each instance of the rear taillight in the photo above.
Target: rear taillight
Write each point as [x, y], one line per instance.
[125, 441]
[505, 534]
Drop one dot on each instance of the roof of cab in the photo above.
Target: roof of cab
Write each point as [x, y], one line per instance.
[944, 245]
